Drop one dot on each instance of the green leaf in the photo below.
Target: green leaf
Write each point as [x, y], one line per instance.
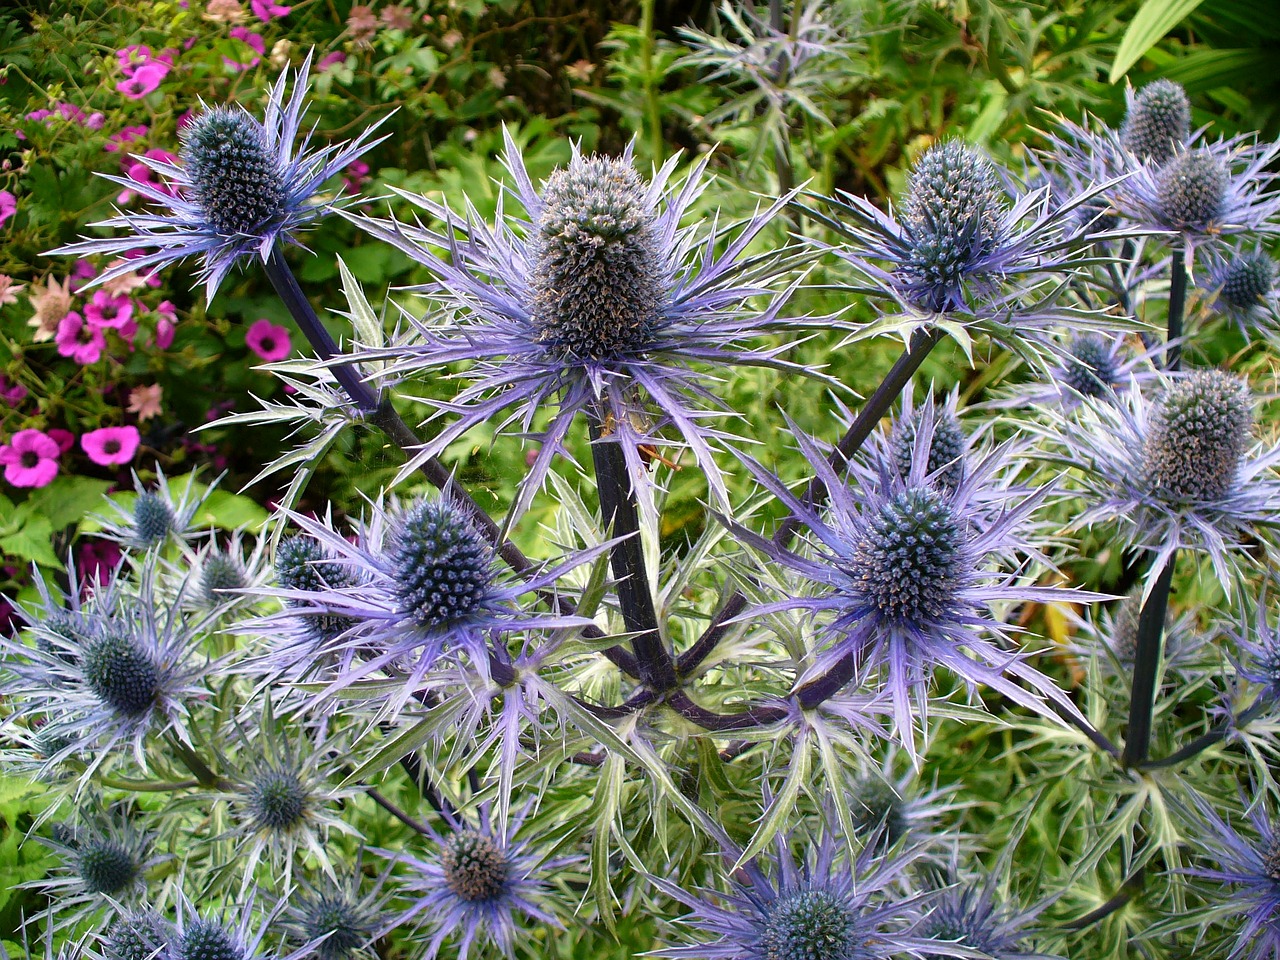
[230, 511]
[783, 804]
[1152, 22]
[68, 499]
[33, 541]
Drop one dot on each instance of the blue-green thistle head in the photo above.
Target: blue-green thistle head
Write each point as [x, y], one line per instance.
[1197, 435]
[1246, 280]
[346, 926]
[476, 868]
[141, 936]
[1191, 190]
[596, 276]
[946, 447]
[235, 178]
[107, 866]
[1158, 122]
[1090, 367]
[209, 940]
[814, 924]
[276, 800]
[303, 564]
[66, 625]
[442, 567]
[954, 211]
[220, 572]
[908, 564]
[152, 520]
[875, 805]
[121, 674]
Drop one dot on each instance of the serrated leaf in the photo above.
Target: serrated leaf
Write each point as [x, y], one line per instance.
[365, 323]
[775, 817]
[32, 541]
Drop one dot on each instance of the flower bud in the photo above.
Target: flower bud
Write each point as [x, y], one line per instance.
[1158, 122]
[442, 566]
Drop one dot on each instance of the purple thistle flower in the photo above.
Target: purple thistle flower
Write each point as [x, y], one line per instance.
[1179, 472]
[599, 303]
[142, 935]
[1250, 870]
[1089, 366]
[482, 882]
[968, 915]
[1258, 646]
[908, 571]
[336, 917]
[239, 189]
[824, 908]
[1241, 285]
[1157, 123]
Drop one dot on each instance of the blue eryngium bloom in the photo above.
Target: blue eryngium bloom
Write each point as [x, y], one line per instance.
[1181, 471]
[1158, 122]
[241, 187]
[908, 569]
[600, 302]
[1241, 285]
[821, 908]
[968, 915]
[478, 887]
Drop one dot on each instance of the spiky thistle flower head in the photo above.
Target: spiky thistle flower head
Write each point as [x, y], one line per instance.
[155, 514]
[235, 933]
[335, 916]
[241, 187]
[969, 915]
[1192, 190]
[903, 574]
[479, 885]
[1241, 284]
[601, 302]
[1157, 123]
[144, 935]
[1258, 648]
[1179, 471]
[945, 442]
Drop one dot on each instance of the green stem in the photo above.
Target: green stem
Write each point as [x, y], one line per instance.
[147, 786]
[205, 777]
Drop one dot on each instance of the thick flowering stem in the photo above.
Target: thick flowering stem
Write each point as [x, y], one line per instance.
[621, 519]
[1177, 305]
[1194, 748]
[1146, 662]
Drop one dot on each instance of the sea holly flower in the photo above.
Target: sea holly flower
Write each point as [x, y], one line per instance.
[824, 907]
[341, 921]
[1157, 124]
[968, 915]
[142, 935]
[1241, 285]
[478, 887]
[599, 303]
[30, 459]
[908, 571]
[1088, 366]
[1181, 471]
[155, 515]
[240, 186]
[111, 446]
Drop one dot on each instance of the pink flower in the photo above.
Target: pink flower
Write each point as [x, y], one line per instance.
[13, 393]
[108, 311]
[65, 439]
[82, 342]
[254, 40]
[355, 176]
[145, 401]
[166, 324]
[81, 271]
[111, 445]
[96, 561]
[30, 459]
[268, 10]
[144, 80]
[8, 205]
[329, 60]
[132, 57]
[268, 341]
[119, 141]
[9, 290]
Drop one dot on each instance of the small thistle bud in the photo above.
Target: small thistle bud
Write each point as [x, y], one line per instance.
[908, 562]
[946, 448]
[152, 520]
[596, 277]
[877, 806]
[1124, 628]
[1158, 122]
[1197, 435]
[1191, 190]
[809, 925]
[953, 210]
[475, 867]
[302, 564]
[345, 925]
[1247, 280]
[209, 940]
[276, 800]
[143, 936]
[120, 673]
[234, 176]
[221, 572]
[1090, 368]
[106, 866]
[442, 566]
[66, 625]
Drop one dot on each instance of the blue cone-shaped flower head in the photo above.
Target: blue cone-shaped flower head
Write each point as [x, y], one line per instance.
[1197, 435]
[481, 884]
[947, 446]
[1241, 284]
[336, 917]
[968, 915]
[1158, 122]
[443, 566]
[242, 186]
[138, 936]
[1091, 367]
[601, 302]
[156, 515]
[1192, 190]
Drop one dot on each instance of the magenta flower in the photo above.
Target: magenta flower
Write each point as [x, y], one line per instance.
[65, 439]
[267, 10]
[331, 60]
[111, 445]
[132, 57]
[30, 459]
[81, 341]
[81, 273]
[8, 206]
[97, 560]
[268, 341]
[118, 142]
[13, 393]
[144, 80]
[108, 311]
[166, 324]
[253, 40]
[355, 176]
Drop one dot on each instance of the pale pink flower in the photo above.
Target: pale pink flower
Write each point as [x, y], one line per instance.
[145, 401]
[224, 11]
[268, 341]
[30, 459]
[125, 283]
[111, 445]
[82, 342]
[9, 290]
[51, 303]
[361, 23]
[397, 17]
